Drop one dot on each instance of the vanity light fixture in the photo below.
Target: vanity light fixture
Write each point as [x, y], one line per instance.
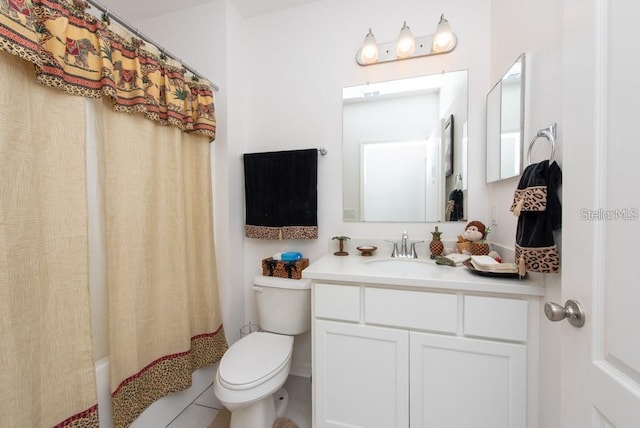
[407, 46]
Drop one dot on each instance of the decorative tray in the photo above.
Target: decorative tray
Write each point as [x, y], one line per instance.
[472, 268]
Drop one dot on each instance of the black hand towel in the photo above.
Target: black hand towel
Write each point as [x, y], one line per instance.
[454, 207]
[281, 194]
[537, 203]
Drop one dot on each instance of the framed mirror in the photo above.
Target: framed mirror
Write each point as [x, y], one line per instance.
[403, 149]
[505, 124]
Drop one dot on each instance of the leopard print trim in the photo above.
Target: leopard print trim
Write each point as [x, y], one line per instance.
[262, 232]
[168, 374]
[277, 233]
[86, 419]
[300, 232]
[19, 51]
[534, 198]
[542, 259]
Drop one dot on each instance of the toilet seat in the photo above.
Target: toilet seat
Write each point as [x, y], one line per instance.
[254, 360]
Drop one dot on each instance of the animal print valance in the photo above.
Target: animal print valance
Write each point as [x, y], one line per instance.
[74, 51]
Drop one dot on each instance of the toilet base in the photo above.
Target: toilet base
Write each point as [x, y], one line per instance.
[262, 413]
[281, 399]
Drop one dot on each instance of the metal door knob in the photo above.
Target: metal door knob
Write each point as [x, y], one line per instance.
[572, 311]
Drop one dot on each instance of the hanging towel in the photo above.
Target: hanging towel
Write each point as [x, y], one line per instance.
[537, 204]
[281, 194]
[454, 205]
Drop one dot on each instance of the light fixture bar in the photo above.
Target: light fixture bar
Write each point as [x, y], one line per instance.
[387, 51]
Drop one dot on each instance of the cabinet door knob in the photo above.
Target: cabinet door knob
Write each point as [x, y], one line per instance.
[572, 311]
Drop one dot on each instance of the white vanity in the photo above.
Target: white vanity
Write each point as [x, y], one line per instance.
[405, 343]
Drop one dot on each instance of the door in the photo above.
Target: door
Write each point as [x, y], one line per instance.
[467, 383]
[362, 376]
[394, 179]
[601, 198]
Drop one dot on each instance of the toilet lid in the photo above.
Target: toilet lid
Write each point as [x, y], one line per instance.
[254, 359]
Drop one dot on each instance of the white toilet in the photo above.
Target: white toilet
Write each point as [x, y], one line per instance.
[256, 366]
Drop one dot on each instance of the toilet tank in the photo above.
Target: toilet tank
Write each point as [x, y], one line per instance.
[284, 305]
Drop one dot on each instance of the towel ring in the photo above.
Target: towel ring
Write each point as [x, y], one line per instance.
[548, 133]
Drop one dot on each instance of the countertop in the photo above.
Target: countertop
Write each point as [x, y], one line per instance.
[355, 268]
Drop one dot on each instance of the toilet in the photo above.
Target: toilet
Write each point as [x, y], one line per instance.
[251, 373]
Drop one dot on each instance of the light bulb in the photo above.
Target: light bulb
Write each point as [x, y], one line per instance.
[406, 44]
[369, 50]
[443, 40]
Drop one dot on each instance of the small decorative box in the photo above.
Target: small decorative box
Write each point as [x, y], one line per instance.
[284, 269]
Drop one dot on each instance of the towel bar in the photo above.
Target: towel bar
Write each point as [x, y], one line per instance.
[548, 133]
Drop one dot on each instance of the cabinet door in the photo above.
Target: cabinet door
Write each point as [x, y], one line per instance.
[458, 382]
[361, 376]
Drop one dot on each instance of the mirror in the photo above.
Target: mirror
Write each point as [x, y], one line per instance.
[404, 149]
[505, 124]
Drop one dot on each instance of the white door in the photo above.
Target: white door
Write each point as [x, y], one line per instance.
[363, 376]
[462, 382]
[394, 179]
[600, 138]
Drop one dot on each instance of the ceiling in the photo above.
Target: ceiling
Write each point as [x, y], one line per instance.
[133, 11]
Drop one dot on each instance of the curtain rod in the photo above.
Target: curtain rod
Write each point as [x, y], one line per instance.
[147, 39]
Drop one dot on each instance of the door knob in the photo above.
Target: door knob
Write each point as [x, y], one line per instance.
[572, 311]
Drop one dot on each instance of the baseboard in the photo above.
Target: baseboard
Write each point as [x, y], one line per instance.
[300, 369]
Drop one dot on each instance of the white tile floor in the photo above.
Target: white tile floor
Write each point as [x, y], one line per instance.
[204, 408]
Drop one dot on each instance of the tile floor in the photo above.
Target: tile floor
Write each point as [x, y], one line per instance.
[204, 408]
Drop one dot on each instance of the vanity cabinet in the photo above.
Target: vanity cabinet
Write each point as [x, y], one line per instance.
[394, 357]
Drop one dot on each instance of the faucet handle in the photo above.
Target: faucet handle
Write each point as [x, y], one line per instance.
[394, 253]
[414, 255]
[405, 235]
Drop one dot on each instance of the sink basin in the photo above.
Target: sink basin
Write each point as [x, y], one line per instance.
[402, 266]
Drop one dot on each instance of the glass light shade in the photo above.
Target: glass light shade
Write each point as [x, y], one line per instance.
[369, 50]
[406, 44]
[443, 39]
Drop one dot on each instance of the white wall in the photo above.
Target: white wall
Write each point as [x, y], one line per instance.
[535, 28]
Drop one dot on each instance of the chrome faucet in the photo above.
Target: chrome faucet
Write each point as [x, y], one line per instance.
[403, 245]
[405, 252]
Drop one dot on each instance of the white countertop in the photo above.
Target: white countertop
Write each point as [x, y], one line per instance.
[355, 268]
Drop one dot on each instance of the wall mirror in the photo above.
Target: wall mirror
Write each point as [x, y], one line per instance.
[404, 147]
[505, 124]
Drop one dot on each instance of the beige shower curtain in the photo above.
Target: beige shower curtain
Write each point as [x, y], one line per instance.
[164, 319]
[46, 359]
[163, 302]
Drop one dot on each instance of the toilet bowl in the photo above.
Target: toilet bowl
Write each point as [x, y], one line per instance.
[249, 374]
[254, 368]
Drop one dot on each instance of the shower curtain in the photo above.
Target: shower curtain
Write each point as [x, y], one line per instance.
[46, 359]
[164, 319]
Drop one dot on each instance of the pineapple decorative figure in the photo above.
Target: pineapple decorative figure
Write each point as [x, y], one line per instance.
[436, 246]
